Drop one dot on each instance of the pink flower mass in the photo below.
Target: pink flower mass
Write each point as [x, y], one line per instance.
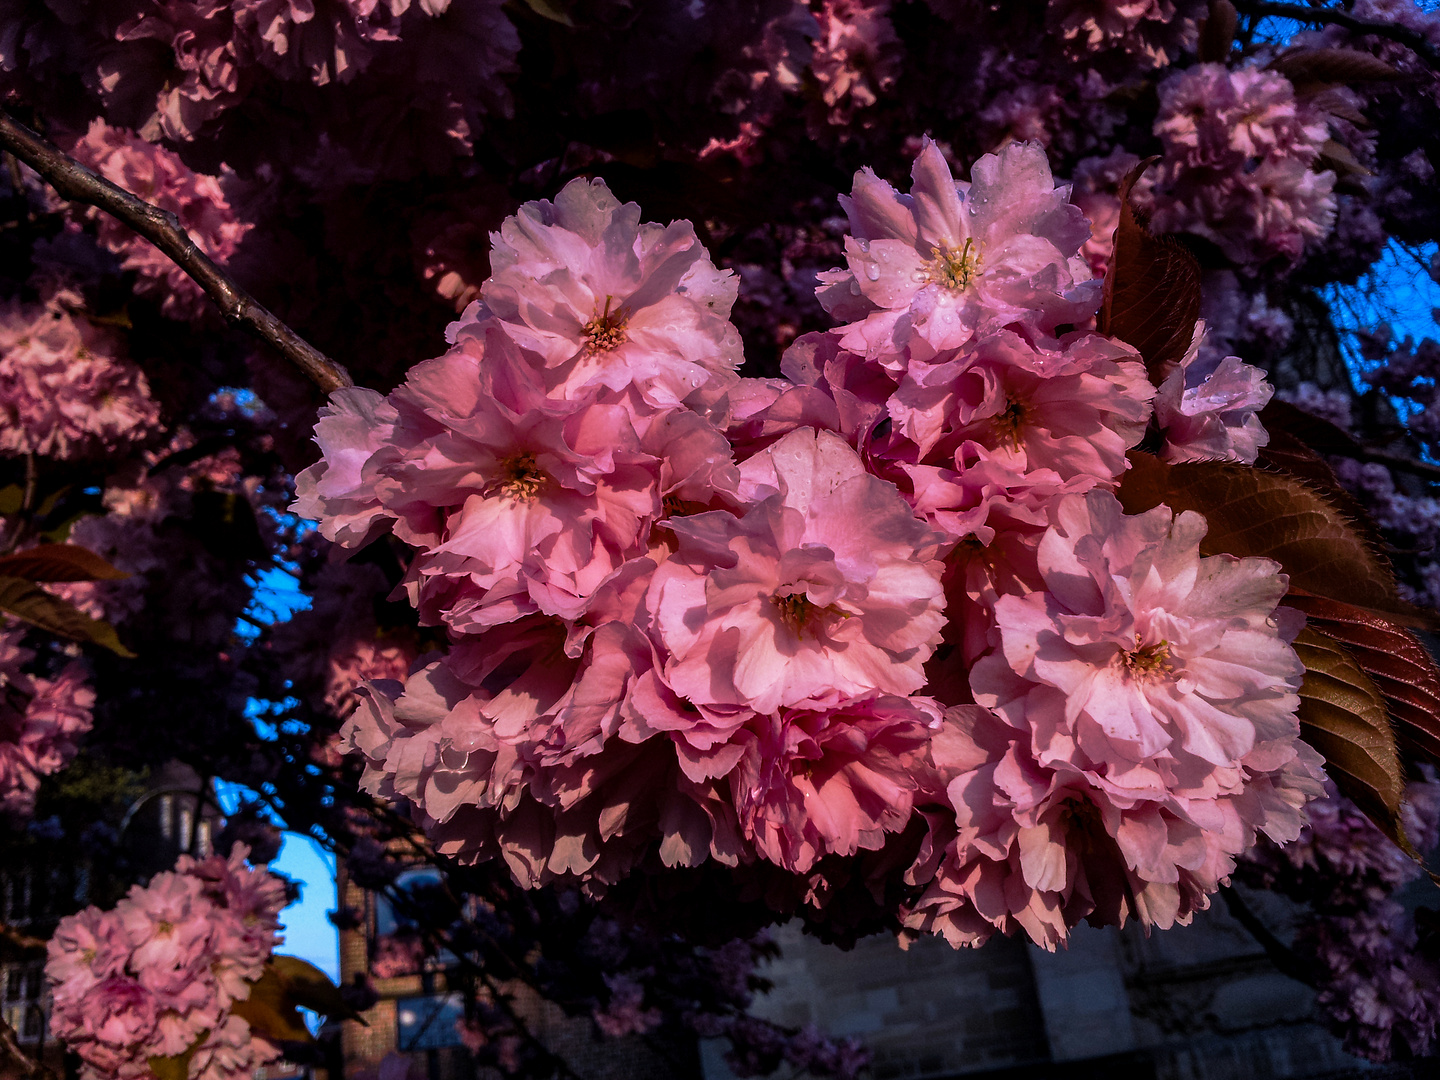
[157, 975]
[700, 616]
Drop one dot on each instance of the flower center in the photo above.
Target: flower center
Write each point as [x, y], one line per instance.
[954, 268]
[606, 331]
[1008, 423]
[520, 478]
[1147, 660]
[796, 610]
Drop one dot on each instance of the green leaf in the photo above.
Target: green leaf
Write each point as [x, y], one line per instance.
[1342, 715]
[270, 1010]
[32, 604]
[310, 988]
[175, 1066]
[1313, 70]
[1152, 289]
[1256, 512]
[58, 562]
[546, 10]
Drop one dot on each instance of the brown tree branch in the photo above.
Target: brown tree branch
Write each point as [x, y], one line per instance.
[1413, 40]
[163, 229]
[1401, 462]
[18, 941]
[10, 1052]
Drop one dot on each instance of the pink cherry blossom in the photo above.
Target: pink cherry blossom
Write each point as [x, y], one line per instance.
[66, 388]
[857, 56]
[609, 301]
[318, 39]
[195, 75]
[352, 427]
[815, 783]
[827, 587]
[933, 268]
[1072, 411]
[1144, 729]
[1208, 408]
[1239, 165]
[41, 722]
[159, 177]
[521, 502]
[157, 976]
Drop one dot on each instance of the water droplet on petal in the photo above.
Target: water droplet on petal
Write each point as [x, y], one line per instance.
[872, 272]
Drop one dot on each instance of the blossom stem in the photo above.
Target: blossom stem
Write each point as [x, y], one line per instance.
[1280, 954]
[163, 229]
[1411, 39]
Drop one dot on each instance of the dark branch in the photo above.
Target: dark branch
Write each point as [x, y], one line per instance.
[163, 229]
[1280, 954]
[1403, 463]
[1413, 40]
[20, 1064]
[14, 939]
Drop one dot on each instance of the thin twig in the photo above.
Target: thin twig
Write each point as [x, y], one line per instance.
[1403, 463]
[1280, 954]
[10, 1051]
[1413, 40]
[20, 941]
[163, 229]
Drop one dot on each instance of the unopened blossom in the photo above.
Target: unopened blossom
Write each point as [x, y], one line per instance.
[827, 587]
[67, 389]
[159, 177]
[933, 268]
[607, 300]
[157, 975]
[1144, 730]
[1208, 407]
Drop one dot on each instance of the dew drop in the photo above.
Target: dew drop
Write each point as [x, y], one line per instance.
[872, 272]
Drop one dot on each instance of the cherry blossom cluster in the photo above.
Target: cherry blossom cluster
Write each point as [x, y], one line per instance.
[159, 177]
[157, 975]
[1152, 31]
[67, 389]
[1376, 988]
[1241, 165]
[41, 721]
[694, 616]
